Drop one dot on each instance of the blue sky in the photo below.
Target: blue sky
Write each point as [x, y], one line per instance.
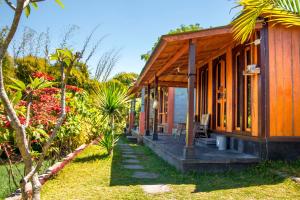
[132, 25]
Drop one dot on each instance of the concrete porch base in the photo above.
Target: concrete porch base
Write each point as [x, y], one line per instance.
[205, 159]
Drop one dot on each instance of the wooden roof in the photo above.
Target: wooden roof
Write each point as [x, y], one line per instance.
[169, 60]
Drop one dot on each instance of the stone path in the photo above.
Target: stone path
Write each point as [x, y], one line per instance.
[131, 162]
[154, 189]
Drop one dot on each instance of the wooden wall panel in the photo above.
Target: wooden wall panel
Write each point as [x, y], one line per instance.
[273, 82]
[197, 114]
[296, 81]
[229, 90]
[254, 96]
[286, 79]
[283, 80]
[210, 91]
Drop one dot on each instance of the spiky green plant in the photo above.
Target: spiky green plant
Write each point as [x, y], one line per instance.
[112, 102]
[108, 140]
[285, 12]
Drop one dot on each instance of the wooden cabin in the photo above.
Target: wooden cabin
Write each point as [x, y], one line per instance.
[251, 90]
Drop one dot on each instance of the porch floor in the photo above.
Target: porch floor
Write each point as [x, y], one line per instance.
[206, 159]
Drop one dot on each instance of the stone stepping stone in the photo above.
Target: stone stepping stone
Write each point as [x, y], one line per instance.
[128, 153]
[130, 156]
[145, 175]
[131, 161]
[126, 150]
[133, 166]
[125, 147]
[154, 189]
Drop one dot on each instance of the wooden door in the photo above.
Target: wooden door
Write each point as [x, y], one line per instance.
[220, 96]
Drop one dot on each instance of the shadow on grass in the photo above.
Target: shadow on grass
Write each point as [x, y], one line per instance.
[203, 182]
[90, 158]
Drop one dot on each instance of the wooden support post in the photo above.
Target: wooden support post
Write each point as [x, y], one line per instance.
[210, 92]
[155, 121]
[229, 90]
[189, 150]
[148, 111]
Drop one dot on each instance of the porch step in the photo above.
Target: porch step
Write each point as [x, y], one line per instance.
[205, 141]
[131, 138]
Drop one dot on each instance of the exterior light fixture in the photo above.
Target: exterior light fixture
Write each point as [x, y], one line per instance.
[256, 42]
[155, 104]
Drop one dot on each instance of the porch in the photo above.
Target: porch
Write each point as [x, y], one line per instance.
[206, 158]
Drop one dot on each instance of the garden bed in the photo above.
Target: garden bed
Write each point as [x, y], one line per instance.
[51, 171]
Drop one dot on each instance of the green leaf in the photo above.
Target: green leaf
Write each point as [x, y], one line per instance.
[17, 97]
[60, 3]
[27, 10]
[42, 132]
[19, 85]
[46, 85]
[35, 5]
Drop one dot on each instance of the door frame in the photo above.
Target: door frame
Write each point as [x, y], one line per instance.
[216, 61]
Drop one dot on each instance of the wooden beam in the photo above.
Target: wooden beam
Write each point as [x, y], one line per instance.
[159, 48]
[173, 59]
[148, 110]
[172, 84]
[191, 88]
[155, 121]
[223, 30]
[199, 34]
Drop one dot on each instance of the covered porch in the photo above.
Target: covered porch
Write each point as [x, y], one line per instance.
[206, 158]
[213, 69]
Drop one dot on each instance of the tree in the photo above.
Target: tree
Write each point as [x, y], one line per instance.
[127, 79]
[285, 12]
[19, 128]
[181, 29]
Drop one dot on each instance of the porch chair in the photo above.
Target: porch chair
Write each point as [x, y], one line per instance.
[162, 127]
[201, 129]
[180, 130]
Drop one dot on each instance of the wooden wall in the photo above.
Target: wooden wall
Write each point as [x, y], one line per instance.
[284, 81]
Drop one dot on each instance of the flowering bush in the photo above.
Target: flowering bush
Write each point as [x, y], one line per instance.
[73, 88]
[43, 75]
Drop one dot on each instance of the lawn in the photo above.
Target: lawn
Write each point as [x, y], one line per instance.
[5, 190]
[94, 175]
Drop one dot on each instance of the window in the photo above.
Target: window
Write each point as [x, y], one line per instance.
[237, 91]
[243, 84]
[247, 91]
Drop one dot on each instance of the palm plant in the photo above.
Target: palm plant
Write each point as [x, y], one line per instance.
[285, 12]
[112, 103]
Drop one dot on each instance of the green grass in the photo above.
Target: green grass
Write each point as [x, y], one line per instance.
[4, 180]
[93, 175]
[5, 190]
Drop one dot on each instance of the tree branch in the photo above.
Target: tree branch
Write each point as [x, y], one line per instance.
[28, 113]
[60, 120]
[10, 4]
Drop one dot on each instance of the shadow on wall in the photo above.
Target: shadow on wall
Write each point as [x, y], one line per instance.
[205, 182]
